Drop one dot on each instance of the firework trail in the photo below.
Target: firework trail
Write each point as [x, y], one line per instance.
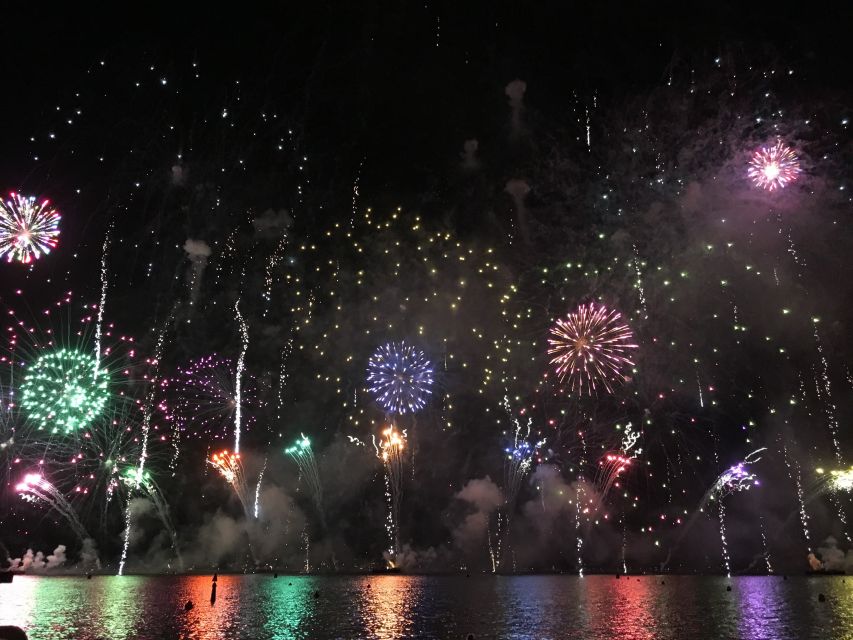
[258, 489]
[735, 479]
[102, 303]
[389, 449]
[229, 465]
[149, 488]
[27, 230]
[303, 454]
[518, 461]
[35, 487]
[610, 467]
[147, 411]
[241, 363]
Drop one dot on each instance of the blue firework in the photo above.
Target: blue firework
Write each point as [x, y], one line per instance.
[400, 377]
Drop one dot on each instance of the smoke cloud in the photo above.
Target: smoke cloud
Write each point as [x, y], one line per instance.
[198, 252]
[515, 92]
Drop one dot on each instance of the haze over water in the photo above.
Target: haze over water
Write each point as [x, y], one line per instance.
[389, 607]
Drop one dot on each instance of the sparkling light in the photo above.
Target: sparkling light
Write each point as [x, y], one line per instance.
[774, 167]
[27, 230]
[400, 377]
[64, 390]
[590, 349]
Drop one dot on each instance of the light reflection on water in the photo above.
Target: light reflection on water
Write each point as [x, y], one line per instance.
[398, 607]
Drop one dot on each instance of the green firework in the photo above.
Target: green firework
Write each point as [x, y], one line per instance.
[64, 390]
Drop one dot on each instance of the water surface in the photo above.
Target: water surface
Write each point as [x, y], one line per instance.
[388, 607]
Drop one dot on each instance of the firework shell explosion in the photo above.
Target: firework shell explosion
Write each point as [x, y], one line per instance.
[28, 230]
[64, 390]
[200, 400]
[774, 167]
[400, 378]
[590, 349]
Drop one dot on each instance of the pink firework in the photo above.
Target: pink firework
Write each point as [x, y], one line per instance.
[774, 167]
[591, 348]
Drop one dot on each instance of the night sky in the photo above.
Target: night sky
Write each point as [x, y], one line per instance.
[262, 199]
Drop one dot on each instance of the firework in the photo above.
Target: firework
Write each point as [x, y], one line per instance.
[518, 461]
[64, 390]
[774, 167]
[610, 467]
[303, 455]
[736, 478]
[400, 378]
[27, 230]
[134, 480]
[836, 480]
[590, 349]
[35, 487]
[231, 468]
[390, 449]
[203, 400]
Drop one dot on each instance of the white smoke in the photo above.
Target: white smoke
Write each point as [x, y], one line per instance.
[39, 563]
[272, 224]
[198, 252]
[518, 190]
[833, 558]
[178, 175]
[515, 92]
[469, 154]
[485, 497]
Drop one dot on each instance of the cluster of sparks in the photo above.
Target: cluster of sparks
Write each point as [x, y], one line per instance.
[64, 390]
[302, 453]
[206, 397]
[28, 230]
[230, 466]
[390, 450]
[737, 478]
[590, 349]
[400, 377]
[838, 480]
[774, 167]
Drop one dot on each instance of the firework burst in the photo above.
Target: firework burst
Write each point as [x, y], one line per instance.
[400, 377]
[64, 390]
[590, 349]
[27, 230]
[774, 167]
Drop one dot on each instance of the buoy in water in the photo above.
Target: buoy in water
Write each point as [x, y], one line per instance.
[729, 588]
[189, 605]
[821, 597]
[12, 633]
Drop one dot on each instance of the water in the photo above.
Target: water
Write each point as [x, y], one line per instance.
[386, 607]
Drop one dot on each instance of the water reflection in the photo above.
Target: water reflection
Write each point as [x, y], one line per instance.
[762, 611]
[112, 603]
[386, 604]
[289, 604]
[625, 606]
[397, 607]
[18, 601]
[206, 620]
